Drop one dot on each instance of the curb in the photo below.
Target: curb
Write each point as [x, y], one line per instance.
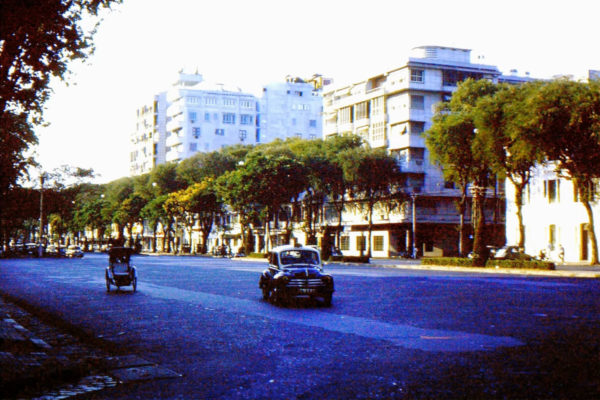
[497, 270]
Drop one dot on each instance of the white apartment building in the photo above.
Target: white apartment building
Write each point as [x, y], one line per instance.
[204, 117]
[290, 109]
[391, 110]
[148, 139]
[553, 217]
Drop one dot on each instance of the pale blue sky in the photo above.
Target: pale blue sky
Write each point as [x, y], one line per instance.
[143, 43]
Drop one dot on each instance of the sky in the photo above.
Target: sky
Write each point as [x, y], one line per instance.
[142, 44]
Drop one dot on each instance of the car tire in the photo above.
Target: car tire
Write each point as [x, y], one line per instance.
[134, 284]
[327, 300]
[266, 293]
[107, 282]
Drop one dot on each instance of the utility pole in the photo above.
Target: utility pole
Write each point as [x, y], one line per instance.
[414, 224]
[41, 234]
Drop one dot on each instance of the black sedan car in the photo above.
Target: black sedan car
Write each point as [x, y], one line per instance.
[295, 272]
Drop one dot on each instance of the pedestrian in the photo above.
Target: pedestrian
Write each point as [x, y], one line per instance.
[561, 253]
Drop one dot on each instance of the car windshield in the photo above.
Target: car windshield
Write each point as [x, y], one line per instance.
[299, 257]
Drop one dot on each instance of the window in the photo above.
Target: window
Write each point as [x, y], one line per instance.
[378, 131]
[196, 132]
[378, 243]
[246, 119]
[228, 118]
[345, 115]
[417, 75]
[211, 101]
[312, 123]
[220, 132]
[345, 243]
[552, 236]
[417, 102]
[552, 190]
[207, 117]
[298, 135]
[243, 135]
[228, 101]
[362, 110]
[192, 117]
[298, 93]
[417, 128]
[246, 104]
[193, 146]
[377, 106]
[361, 243]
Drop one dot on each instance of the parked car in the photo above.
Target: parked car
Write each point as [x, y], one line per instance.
[74, 251]
[510, 253]
[55, 251]
[295, 272]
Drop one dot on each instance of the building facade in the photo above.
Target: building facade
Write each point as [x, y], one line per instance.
[391, 110]
[148, 139]
[204, 117]
[290, 109]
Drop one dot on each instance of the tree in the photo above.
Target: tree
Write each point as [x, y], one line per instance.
[131, 212]
[453, 144]
[375, 178]
[335, 149]
[563, 119]
[204, 165]
[38, 39]
[509, 148]
[154, 213]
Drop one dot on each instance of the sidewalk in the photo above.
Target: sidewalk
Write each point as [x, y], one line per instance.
[36, 357]
[571, 270]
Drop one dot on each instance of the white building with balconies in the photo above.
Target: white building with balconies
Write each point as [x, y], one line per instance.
[204, 117]
[391, 110]
[290, 109]
[148, 139]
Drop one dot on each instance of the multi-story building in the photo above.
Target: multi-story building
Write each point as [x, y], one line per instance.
[554, 218]
[148, 140]
[290, 109]
[391, 110]
[204, 117]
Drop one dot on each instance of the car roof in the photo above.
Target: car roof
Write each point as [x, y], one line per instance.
[288, 247]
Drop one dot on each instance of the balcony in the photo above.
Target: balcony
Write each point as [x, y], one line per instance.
[414, 166]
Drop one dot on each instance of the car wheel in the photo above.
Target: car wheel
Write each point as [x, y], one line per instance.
[266, 292]
[327, 300]
[107, 282]
[134, 284]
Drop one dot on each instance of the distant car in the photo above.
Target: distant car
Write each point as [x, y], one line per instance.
[510, 253]
[295, 272]
[54, 251]
[74, 251]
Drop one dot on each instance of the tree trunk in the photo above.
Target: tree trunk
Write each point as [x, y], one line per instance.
[370, 231]
[592, 233]
[519, 204]
[478, 221]
[462, 207]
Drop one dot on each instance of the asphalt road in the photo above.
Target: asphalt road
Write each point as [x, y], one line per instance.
[390, 333]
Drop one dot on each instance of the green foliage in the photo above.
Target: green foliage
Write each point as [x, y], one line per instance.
[467, 262]
[38, 39]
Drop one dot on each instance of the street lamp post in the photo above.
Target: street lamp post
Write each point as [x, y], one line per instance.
[41, 235]
[414, 224]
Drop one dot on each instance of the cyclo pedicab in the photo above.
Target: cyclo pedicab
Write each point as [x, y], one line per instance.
[119, 271]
